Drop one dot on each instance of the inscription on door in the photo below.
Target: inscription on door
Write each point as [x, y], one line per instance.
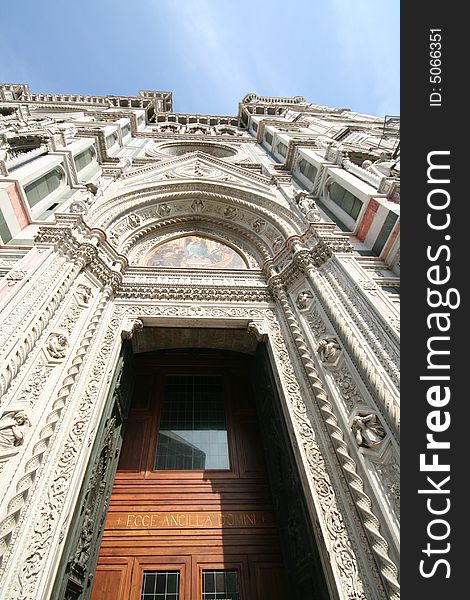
[189, 520]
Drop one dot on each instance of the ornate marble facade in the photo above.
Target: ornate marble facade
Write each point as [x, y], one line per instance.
[118, 215]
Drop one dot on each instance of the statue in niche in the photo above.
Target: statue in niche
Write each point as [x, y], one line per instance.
[303, 299]
[328, 350]
[57, 345]
[367, 430]
[12, 426]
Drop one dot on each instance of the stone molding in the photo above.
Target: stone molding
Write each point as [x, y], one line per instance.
[350, 399]
[371, 373]
[379, 544]
[53, 418]
[264, 323]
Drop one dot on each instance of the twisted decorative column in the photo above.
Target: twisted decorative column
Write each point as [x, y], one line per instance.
[24, 484]
[379, 544]
[15, 361]
[306, 263]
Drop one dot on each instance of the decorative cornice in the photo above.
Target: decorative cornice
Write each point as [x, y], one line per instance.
[194, 293]
[189, 158]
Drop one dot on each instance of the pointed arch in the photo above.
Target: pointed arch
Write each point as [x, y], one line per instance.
[255, 220]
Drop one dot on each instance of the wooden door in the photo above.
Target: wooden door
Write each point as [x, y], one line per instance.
[213, 526]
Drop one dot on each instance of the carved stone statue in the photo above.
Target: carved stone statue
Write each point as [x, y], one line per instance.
[277, 244]
[86, 536]
[5, 150]
[303, 299]
[129, 327]
[300, 195]
[197, 169]
[12, 426]
[57, 345]
[125, 163]
[92, 188]
[258, 329]
[77, 207]
[307, 206]
[367, 430]
[383, 167]
[328, 350]
[113, 237]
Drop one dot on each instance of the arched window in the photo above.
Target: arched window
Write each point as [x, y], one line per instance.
[307, 170]
[42, 187]
[345, 200]
[112, 139]
[83, 159]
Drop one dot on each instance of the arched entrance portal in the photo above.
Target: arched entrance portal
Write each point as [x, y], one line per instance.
[206, 502]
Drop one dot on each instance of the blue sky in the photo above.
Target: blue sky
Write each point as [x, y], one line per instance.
[209, 53]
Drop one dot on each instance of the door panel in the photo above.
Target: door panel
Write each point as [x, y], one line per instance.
[190, 520]
[112, 581]
[270, 582]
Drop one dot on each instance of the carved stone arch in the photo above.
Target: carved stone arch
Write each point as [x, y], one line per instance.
[267, 208]
[325, 186]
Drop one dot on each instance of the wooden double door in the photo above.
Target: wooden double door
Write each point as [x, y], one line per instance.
[191, 515]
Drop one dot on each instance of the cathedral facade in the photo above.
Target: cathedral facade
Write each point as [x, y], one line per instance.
[199, 350]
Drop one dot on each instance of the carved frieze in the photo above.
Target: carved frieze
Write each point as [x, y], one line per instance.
[83, 293]
[368, 431]
[13, 426]
[56, 345]
[329, 351]
[389, 475]
[259, 225]
[304, 299]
